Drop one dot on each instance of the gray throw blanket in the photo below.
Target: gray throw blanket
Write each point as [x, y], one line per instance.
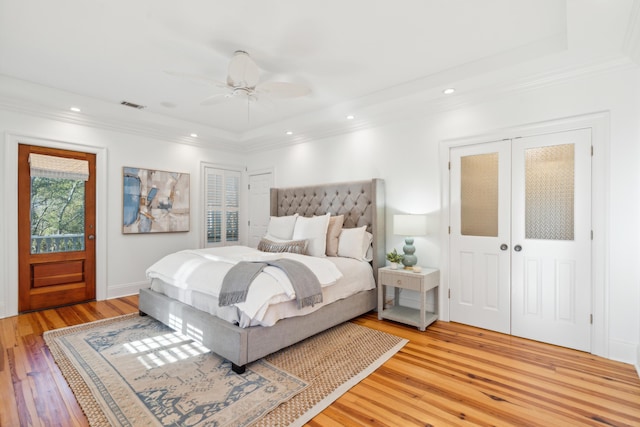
[235, 284]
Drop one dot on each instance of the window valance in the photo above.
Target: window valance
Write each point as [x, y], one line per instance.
[58, 167]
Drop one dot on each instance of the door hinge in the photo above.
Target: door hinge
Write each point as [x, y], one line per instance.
[449, 165]
[592, 151]
[449, 229]
[249, 223]
[248, 186]
[449, 294]
[591, 234]
[591, 319]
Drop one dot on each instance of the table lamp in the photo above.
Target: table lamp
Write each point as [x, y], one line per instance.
[409, 226]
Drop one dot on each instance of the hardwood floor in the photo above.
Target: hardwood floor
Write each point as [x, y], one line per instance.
[451, 374]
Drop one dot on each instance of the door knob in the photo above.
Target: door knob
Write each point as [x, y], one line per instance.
[504, 247]
[517, 248]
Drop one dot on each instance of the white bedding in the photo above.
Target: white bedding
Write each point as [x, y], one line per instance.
[194, 277]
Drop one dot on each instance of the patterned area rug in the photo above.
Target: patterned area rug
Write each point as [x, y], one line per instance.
[133, 370]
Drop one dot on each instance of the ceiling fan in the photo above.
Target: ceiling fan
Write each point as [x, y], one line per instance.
[243, 81]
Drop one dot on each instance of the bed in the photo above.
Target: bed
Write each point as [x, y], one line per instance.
[361, 203]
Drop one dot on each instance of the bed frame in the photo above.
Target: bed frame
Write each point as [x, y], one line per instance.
[361, 203]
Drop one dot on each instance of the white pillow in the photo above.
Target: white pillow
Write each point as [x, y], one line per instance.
[281, 227]
[367, 247]
[315, 230]
[352, 243]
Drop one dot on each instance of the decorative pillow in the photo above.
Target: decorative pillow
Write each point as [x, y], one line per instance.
[293, 246]
[333, 234]
[352, 243]
[281, 227]
[315, 230]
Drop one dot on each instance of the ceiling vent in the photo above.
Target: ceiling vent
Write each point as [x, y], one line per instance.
[132, 105]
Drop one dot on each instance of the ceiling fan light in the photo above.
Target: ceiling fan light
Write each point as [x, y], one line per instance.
[242, 71]
[449, 91]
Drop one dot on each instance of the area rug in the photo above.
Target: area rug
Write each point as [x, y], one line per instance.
[133, 370]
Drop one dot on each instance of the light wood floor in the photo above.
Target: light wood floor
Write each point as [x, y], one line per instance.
[449, 375]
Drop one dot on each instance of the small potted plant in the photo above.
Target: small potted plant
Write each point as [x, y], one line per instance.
[394, 258]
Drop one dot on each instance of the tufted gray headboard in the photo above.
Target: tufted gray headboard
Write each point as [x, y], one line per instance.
[361, 203]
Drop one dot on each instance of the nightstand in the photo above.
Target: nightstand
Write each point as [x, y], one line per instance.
[425, 281]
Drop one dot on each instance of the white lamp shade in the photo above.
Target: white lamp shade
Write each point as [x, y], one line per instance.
[410, 225]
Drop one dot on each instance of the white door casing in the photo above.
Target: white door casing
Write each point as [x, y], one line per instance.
[259, 205]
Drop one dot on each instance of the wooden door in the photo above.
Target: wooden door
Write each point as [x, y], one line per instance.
[56, 266]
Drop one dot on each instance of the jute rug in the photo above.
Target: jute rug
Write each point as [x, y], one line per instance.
[133, 370]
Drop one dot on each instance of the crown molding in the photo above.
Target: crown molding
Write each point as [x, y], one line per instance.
[330, 122]
[170, 133]
[425, 103]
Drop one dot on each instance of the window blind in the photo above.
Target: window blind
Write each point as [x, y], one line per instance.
[44, 166]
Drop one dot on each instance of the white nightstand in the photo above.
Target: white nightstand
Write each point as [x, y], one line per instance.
[427, 280]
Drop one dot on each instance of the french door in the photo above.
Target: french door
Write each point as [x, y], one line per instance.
[56, 227]
[520, 237]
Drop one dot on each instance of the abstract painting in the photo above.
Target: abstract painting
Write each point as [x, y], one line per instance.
[154, 201]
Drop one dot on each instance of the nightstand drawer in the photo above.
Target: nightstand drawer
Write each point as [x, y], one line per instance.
[401, 281]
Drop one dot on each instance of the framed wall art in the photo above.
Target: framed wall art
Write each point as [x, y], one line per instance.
[154, 201]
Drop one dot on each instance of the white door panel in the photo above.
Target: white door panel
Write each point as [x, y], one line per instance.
[479, 283]
[551, 275]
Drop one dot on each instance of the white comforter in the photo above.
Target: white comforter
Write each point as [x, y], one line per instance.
[202, 270]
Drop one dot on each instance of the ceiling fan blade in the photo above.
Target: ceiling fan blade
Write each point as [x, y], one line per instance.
[215, 99]
[243, 71]
[196, 77]
[283, 89]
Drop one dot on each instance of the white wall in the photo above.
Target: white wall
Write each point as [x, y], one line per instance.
[406, 155]
[121, 259]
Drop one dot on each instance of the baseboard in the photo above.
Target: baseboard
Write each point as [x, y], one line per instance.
[623, 351]
[126, 289]
[638, 360]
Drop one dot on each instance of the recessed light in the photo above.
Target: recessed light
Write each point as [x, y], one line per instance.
[351, 117]
[448, 91]
[193, 135]
[75, 109]
[289, 132]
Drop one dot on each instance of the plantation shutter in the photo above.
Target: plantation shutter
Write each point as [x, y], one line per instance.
[44, 166]
[232, 187]
[222, 188]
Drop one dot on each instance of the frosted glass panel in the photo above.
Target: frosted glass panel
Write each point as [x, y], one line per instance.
[549, 192]
[479, 195]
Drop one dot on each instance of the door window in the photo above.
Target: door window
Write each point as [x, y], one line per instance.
[479, 195]
[549, 192]
[57, 211]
